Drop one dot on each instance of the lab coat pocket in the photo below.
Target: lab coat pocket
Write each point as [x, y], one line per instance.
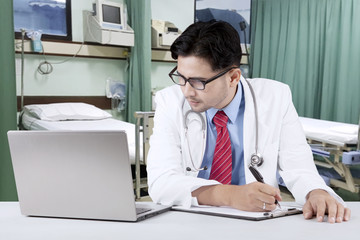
[270, 156]
[271, 152]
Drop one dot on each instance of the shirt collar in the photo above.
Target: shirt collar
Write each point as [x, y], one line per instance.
[231, 109]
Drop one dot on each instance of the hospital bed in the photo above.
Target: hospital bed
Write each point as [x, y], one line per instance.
[335, 147]
[81, 116]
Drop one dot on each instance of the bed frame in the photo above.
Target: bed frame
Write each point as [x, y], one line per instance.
[332, 154]
[144, 126]
[336, 156]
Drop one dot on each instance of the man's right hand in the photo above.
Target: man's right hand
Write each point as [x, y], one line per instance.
[249, 197]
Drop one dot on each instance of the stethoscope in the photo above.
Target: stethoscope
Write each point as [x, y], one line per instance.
[255, 160]
[194, 169]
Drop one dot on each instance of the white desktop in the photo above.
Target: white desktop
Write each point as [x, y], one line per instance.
[173, 225]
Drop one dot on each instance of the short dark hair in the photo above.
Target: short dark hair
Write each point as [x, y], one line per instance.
[215, 41]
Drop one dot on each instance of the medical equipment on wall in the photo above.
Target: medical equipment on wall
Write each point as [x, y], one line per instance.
[117, 92]
[256, 158]
[107, 24]
[163, 34]
[35, 37]
[45, 67]
[110, 15]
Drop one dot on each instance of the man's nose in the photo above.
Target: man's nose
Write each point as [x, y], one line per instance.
[188, 90]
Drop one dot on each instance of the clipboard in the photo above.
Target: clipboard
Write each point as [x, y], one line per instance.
[238, 214]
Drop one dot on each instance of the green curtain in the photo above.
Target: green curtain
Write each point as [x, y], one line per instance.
[139, 73]
[313, 46]
[7, 99]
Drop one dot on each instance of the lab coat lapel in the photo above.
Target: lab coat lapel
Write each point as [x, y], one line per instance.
[264, 123]
[250, 126]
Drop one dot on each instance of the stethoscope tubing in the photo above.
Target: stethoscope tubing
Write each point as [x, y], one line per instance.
[256, 158]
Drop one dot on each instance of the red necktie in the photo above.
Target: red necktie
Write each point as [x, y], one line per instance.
[222, 163]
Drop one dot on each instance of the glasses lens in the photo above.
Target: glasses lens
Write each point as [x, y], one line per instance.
[178, 79]
[197, 84]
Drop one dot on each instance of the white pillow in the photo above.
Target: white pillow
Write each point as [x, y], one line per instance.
[66, 111]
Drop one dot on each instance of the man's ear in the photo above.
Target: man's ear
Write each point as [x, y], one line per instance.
[235, 76]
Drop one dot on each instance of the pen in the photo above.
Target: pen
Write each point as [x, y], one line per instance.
[260, 178]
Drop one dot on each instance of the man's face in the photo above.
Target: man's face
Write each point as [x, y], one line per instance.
[217, 94]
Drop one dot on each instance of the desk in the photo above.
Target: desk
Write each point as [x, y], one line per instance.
[173, 225]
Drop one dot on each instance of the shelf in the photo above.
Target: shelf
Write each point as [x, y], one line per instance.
[71, 48]
[164, 55]
[161, 55]
[95, 51]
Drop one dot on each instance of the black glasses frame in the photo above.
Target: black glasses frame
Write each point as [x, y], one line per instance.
[192, 80]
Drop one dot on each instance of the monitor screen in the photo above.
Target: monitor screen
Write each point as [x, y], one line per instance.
[111, 14]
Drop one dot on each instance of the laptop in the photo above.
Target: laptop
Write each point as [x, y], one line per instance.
[76, 174]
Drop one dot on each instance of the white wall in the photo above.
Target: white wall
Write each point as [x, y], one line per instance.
[87, 76]
[77, 77]
[77, 7]
[181, 13]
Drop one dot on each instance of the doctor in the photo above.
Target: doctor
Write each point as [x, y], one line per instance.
[210, 123]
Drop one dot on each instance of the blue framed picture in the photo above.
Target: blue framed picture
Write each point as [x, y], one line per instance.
[50, 17]
[235, 12]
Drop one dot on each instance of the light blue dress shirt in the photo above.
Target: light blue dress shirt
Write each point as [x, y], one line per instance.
[235, 112]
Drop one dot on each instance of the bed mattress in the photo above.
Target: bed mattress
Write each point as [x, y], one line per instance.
[335, 133]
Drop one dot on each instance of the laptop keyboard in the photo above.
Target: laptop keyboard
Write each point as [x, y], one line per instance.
[142, 210]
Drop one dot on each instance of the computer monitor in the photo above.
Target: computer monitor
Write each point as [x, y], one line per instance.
[111, 15]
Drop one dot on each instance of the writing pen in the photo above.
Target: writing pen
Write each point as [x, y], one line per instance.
[260, 178]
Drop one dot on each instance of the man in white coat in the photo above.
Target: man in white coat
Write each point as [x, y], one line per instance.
[186, 143]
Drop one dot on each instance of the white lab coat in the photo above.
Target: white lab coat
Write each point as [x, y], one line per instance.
[282, 144]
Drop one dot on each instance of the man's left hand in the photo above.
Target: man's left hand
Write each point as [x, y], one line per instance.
[319, 202]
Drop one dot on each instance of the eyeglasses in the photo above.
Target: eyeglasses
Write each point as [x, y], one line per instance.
[196, 83]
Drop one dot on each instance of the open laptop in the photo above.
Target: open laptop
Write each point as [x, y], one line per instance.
[76, 174]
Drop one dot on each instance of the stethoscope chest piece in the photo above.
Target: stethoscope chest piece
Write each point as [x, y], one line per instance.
[256, 160]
